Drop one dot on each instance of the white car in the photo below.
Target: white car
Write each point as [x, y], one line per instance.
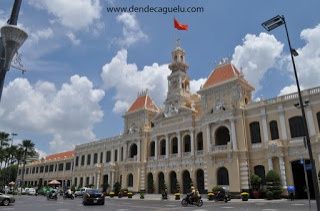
[31, 191]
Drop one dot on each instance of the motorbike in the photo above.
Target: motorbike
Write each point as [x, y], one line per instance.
[222, 196]
[52, 195]
[67, 195]
[189, 200]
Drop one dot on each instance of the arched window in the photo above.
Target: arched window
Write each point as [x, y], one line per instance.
[318, 118]
[222, 136]
[222, 176]
[199, 141]
[260, 171]
[130, 180]
[150, 183]
[255, 132]
[133, 150]
[161, 182]
[187, 143]
[163, 147]
[274, 130]
[174, 145]
[296, 127]
[152, 149]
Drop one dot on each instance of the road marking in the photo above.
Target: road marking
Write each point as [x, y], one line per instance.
[170, 205]
[227, 207]
[7, 208]
[298, 204]
[63, 209]
[122, 209]
[200, 210]
[270, 209]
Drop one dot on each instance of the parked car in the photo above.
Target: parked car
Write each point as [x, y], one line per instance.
[6, 199]
[93, 196]
[80, 192]
[31, 191]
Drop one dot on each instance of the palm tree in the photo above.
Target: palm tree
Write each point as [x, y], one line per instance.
[4, 139]
[28, 151]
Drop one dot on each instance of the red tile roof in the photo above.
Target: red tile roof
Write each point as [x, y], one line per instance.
[143, 102]
[222, 73]
[60, 155]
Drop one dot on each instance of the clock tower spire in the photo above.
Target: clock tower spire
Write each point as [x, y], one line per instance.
[178, 81]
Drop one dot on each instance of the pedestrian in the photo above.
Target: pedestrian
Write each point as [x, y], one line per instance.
[291, 191]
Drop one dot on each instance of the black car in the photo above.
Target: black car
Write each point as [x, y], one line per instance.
[93, 196]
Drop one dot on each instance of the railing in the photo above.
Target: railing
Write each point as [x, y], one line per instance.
[291, 96]
[219, 148]
[199, 152]
[256, 145]
[132, 159]
[186, 154]
[175, 155]
[162, 157]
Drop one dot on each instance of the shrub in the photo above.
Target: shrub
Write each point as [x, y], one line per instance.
[244, 196]
[269, 195]
[141, 194]
[216, 189]
[273, 185]
[177, 196]
[111, 194]
[210, 196]
[255, 181]
[130, 195]
[116, 188]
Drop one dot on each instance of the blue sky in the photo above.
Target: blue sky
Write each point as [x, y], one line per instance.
[85, 65]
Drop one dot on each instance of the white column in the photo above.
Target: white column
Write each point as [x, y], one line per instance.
[244, 175]
[125, 153]
[167, 146]
[155, 149]
[98, 180]
[270, 165]
[208, 138]
[282, 123]
[112, 178]
[112, 155]
[264, 125]
[192, 142]
[179, 144]
[282, 172]
[233, 135]
[119, 153]
[138, 150]
[310, 122]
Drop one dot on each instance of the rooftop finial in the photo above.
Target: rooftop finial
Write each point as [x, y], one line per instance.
[178, 42]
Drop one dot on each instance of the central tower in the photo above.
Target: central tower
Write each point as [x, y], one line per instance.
[178, 82]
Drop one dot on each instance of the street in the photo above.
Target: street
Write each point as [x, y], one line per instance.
[40, 203]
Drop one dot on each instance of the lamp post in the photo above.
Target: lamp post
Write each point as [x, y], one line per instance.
[270, 25]
[12, 37]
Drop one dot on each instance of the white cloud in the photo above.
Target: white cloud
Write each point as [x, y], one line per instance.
[75, 14]
[73, 38]
[41, 153]
[256, 55]
[68, 113]
[131, 30]
[308, 61]
[196, 84]
[41, 34]
[288, 89]
[127, 80]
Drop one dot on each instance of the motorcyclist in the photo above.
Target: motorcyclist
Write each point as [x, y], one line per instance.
[194, 194]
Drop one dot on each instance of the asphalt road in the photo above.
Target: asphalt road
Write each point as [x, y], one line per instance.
[40, 203]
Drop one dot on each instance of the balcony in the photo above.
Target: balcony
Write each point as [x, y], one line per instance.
[217, 149]
[186, 154]
[199, 152]
[132, 159]
[162, 157]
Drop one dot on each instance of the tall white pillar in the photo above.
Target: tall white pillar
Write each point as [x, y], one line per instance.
[192, 142]
[264, 125]
[282, 123]
[112, 155]
[282, 172]
[233, 135]
[125, 153]
[155, 149]
[270, 164]
[138, 150]
[179, 144]
[244, 175]
[310, 122]
[119, 153]
[208, 138]
[167, 146]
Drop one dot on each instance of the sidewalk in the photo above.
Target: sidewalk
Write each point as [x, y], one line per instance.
[157, 197]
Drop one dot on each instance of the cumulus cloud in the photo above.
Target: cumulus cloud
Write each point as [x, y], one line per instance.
[127, 80]
[41, 34]
[41, 153]
[76, 14]
[131, 30]
[74, 40]
[308, 61]
[196, 84]
[256, 55]
[68, 113]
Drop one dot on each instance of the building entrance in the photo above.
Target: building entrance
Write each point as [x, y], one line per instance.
[299, 179]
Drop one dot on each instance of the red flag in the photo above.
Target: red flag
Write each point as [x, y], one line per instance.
[180, 26]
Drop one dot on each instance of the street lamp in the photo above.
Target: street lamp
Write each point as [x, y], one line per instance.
[12, 37]
[270, 25]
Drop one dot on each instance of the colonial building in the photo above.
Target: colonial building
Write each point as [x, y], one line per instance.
[53, 167]
[217, 136]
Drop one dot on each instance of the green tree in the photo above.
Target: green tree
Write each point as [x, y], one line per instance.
[4, 143]
[28, 151]
[274, 184]
[255, 181]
